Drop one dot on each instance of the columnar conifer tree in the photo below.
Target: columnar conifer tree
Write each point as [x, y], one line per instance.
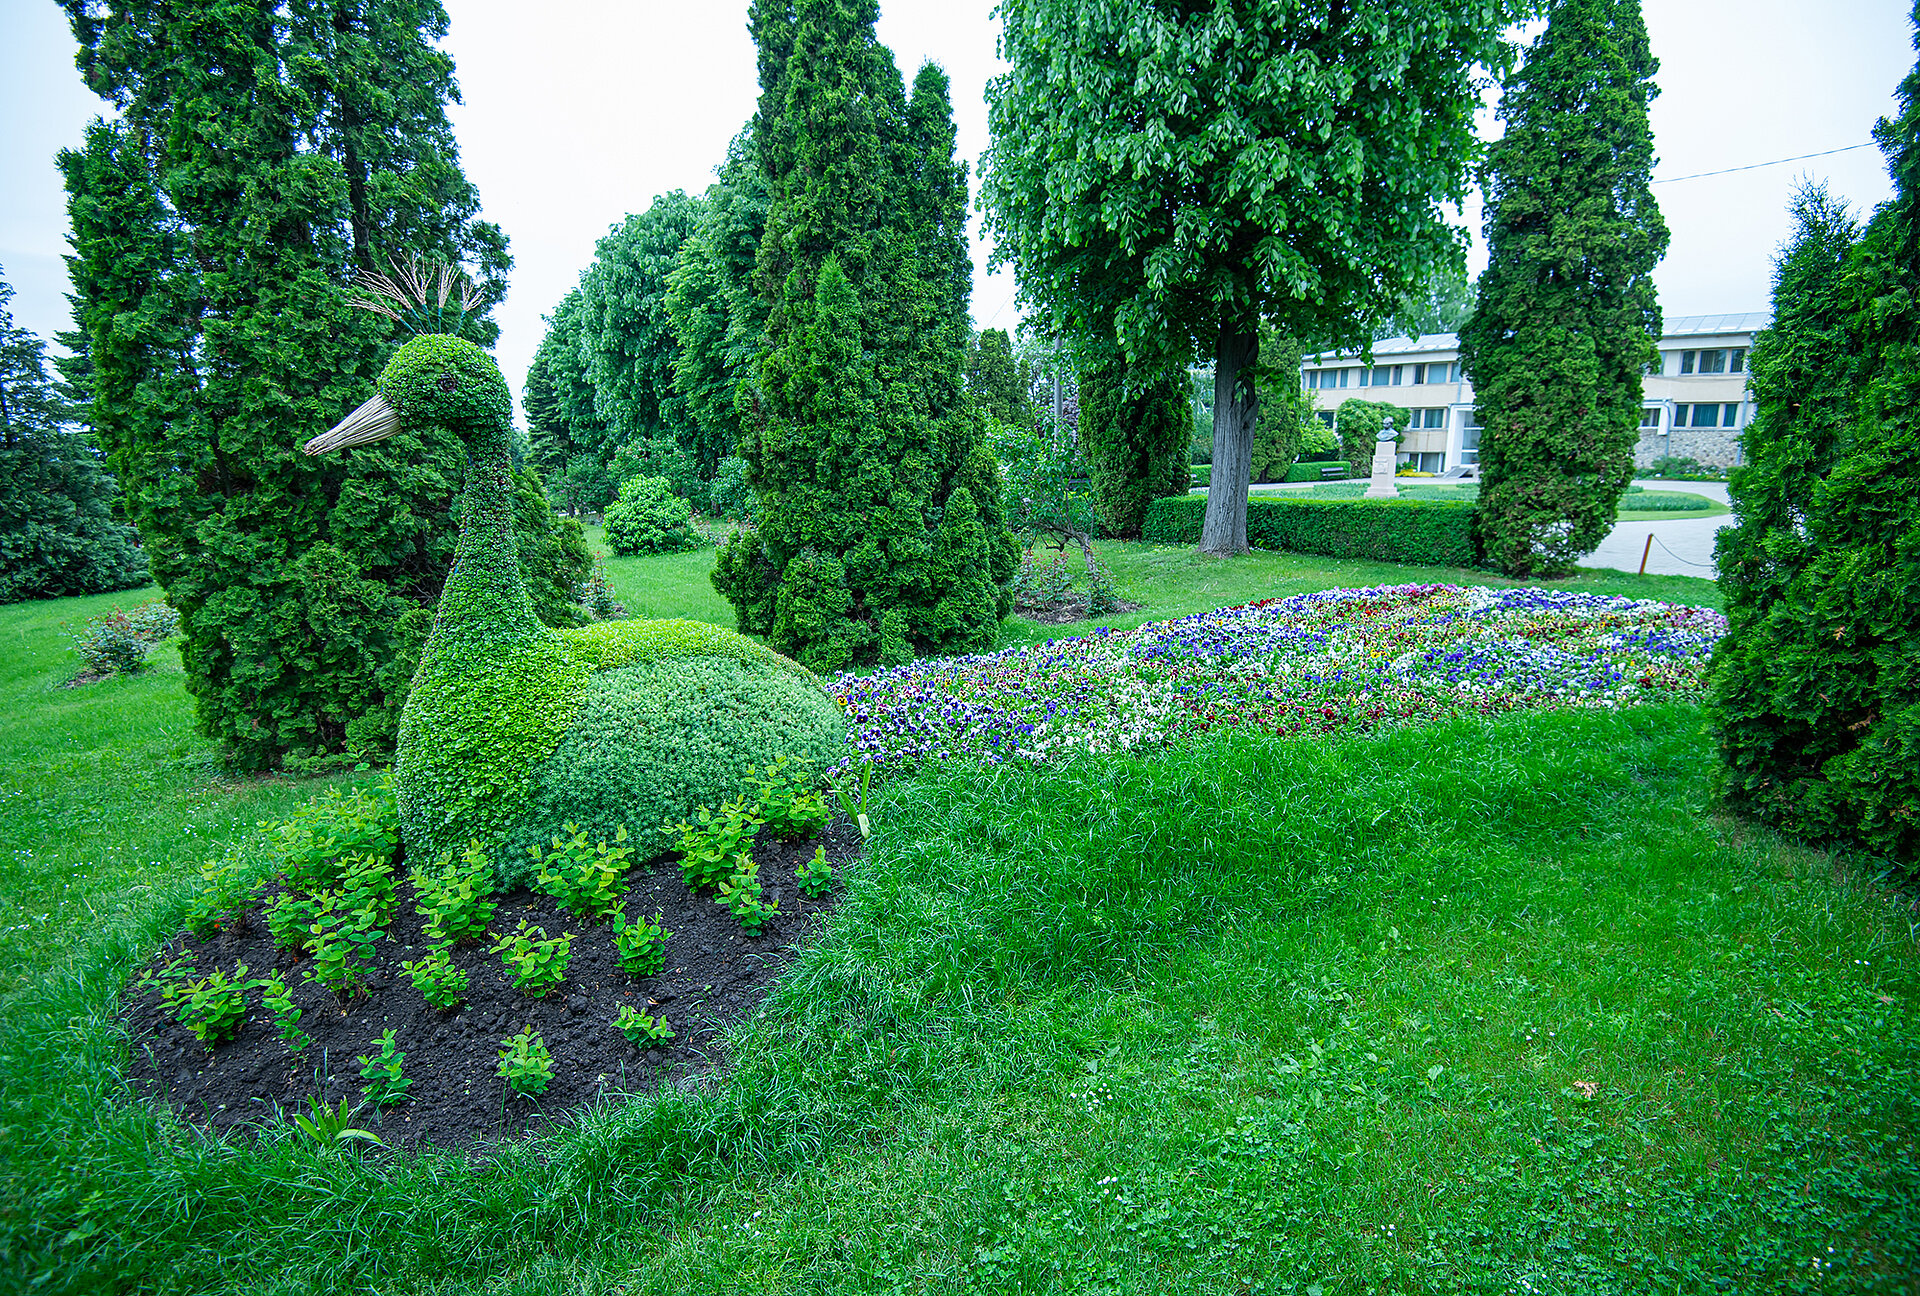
[879, 534]
[1000, 383]
[1565, 319]
[627, 334]
[259, 154]
[1135, 431]
[1816, 686]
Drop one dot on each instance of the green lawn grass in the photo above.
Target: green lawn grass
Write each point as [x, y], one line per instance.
[1492, 1006]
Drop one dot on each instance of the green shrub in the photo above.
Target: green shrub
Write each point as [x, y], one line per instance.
[381, 1073]
[1316, 471]
[715, 846]
[1203, 474]
[439, 982]
[792, 801]
[641, 944]
[649, 518]
[117, 642]
[641, 1030]
[1683, 468]
[1135, 430]
[535, 962]
[595, 593]
[311, 845]
[1816, 685]
[1357, 426]
[729, 494]
[618, 723]
[1406, 531]
[453, 897]
[816, 875]
[525, 1063]
[587, 878]
[664, 458]
[654, 740]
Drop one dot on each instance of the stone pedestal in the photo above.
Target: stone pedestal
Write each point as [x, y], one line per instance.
[1381, 484]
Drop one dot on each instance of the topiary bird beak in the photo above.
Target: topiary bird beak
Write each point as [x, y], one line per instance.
[373, 421]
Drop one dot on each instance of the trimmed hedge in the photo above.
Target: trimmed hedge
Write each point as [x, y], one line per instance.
[1409, 531]
[1312, 471]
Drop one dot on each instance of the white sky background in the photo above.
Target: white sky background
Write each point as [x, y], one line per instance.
[579, 111]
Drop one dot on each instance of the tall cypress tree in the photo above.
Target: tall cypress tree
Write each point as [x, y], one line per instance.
[878, 536]
[1565, 321]
[258, 155]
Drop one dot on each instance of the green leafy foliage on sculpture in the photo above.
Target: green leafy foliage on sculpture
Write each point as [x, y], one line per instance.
[1135, 426]
[58, 535]
[863, 452]
[1357, 425]
[213, 221]
[1566, 318]
[1816, 686]
[649, 518]
[512, 729]
[1172, 175]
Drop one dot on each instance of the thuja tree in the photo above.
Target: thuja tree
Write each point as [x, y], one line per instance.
[58, 534]
[879, 535]
[566, 437]
[1816, 686]
[256, 156]
[1172, 175]
[719, 322]
[1280, 427]
[1135, 430]
[1000, 382]
[1565, 320]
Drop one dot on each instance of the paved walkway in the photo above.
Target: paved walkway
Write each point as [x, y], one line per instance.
[1681, 546]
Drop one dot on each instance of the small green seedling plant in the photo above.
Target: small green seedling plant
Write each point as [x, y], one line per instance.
[290, 919]
[535, 962]
[442, 984]
[586, 878]
[212, 1007]
[381, 1075]
[367, 886]
[453, 897]
[641, 1030]
[342, 942]
[314, 842]
[329, 1126]
[222, 902]
[816, 875]
[642, 944]
[713, 846]
[792, 807]
[740, 893]
[286, 1014]
[855, 804]
[525, 1063]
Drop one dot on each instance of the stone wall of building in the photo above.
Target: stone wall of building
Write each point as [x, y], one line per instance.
[1717, 447]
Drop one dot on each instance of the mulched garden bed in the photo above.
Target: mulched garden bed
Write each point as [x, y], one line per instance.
[716, 972]
[1068, 613]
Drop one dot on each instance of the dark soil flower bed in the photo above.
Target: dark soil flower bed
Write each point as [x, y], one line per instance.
[1069, 611]
[715, 973]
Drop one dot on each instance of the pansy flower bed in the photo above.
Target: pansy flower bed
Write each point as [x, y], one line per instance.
[1332, 661]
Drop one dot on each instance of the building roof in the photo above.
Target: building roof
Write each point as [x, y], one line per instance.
[1689, 325]
[1678, 326]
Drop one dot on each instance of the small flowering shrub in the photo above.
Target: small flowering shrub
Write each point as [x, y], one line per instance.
[117, 642]
[595, 594]
[1332, 661]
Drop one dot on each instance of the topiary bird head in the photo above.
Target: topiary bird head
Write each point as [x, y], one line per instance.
[436, 378]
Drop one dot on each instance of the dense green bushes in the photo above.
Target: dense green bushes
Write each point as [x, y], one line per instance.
[1135, 429]
[1357, 425]
[649, 518]
[1816, 686]
[1408, 531]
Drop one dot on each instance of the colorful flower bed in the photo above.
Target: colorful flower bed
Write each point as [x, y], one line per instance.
[1332, 661]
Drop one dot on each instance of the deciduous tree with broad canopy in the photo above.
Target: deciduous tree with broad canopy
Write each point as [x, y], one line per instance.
[1170, 175]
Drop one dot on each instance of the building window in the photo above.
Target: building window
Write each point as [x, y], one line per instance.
[1326, 416]
[1385, 376]
[1326, 378]
[1650, 417]
[1737, 363]
[1435, 373]
[1707, 415]
[1428, 418]
[1470, 439]
[1713, 362]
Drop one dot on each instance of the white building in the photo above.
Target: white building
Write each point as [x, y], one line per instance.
[1694, 407]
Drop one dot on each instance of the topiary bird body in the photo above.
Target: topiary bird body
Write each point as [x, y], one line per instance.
[511, 728]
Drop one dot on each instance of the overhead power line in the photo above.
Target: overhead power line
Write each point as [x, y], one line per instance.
[1755, 166]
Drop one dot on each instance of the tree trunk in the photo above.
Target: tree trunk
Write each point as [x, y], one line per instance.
[1234, 406]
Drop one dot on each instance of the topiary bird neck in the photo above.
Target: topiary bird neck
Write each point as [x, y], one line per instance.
[486, 597]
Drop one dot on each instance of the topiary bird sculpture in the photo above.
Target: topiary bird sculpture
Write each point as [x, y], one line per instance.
[510, 728]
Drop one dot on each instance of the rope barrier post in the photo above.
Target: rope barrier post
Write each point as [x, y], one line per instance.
[1644, 552]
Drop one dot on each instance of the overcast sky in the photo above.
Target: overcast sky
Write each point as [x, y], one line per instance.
[579, 111]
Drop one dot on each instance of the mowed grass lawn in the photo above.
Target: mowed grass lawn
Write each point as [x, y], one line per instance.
[1489, 1006]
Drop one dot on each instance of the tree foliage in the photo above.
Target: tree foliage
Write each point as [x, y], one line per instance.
[58, 534]
[1816, 686]
[1566, 319]
[1172, 175]
[719, 323]
[1285, 408]
[1134, 431]
[999, 382]
[626, 333]
[256, 157]
[878, 533]
[1357, 424]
